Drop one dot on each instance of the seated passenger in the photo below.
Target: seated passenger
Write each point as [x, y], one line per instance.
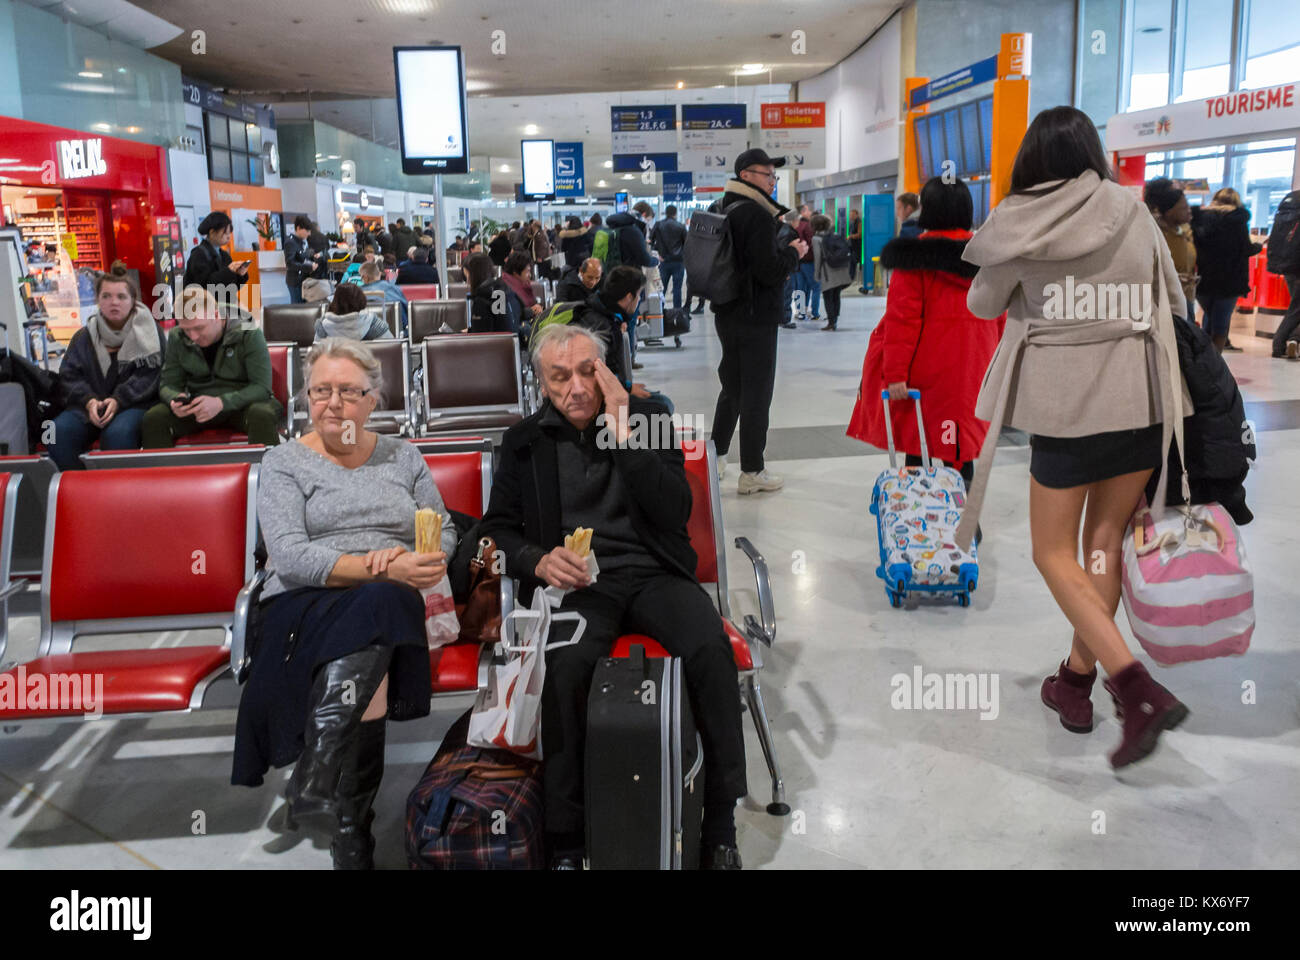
[377, 289]
[109, 374]
[505, 304]
[418, 269]
[216, 373]
[351, 315]
[555, 473]
[607, 312]
[341, 642]
[581, 283]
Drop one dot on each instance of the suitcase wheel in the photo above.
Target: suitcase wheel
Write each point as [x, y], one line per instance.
[963, 599]
[895, 599]
[677, 341]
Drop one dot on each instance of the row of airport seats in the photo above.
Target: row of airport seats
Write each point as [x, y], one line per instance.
[57, 530]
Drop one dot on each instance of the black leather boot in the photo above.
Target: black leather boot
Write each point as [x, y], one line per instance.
[340, 694]
[353, 847]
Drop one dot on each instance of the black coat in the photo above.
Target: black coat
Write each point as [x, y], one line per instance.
[606, 318]
[484, 319]
[319, 244]
[669, 239]
[764, 262]
[631, 240]
[1223, 251]
[298, 262]
[40, 389]
[571, 287]
[1219, 442]
[131, 385]
[412, 272]
[206, 265]
[523, 514]
[499, 249]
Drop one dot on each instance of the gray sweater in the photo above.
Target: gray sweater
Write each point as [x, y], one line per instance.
[313, 511]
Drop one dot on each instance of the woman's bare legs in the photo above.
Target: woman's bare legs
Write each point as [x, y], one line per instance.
[1088, 600]
[378, 706]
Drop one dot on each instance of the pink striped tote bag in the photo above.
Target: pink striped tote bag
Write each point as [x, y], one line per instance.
[1187, 585]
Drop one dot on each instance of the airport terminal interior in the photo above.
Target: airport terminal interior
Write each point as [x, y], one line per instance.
[127, 129]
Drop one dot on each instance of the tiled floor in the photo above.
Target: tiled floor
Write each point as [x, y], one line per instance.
[870, 785]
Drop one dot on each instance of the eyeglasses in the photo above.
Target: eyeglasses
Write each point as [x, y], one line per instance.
[769, 174]
[323, 392]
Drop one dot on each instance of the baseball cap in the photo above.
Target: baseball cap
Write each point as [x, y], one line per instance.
[757, 158]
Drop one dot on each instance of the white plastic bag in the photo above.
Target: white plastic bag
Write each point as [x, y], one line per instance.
[440, 623]
[507, 715]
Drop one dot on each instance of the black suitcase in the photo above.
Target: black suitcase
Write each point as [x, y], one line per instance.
[644, 767]
[676, 322]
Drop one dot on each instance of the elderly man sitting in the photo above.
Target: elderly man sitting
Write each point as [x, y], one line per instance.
[581, 283]
[560, 469]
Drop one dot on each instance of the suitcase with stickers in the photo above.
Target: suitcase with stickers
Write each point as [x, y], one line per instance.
[917, 511]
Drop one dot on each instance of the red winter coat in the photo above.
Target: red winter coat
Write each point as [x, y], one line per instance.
[930, 341]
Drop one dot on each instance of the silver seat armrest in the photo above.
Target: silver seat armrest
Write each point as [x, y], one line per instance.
[12, 589]
[765, 631]
[248, 595]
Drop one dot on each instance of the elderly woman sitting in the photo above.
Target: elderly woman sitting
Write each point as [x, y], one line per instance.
[341, 639]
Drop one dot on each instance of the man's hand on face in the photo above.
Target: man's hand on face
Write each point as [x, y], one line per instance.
[616, 420]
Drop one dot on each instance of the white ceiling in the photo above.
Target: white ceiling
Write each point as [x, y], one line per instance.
[334, 48]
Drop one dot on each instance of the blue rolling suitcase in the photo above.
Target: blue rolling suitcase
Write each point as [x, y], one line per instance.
[917, 511]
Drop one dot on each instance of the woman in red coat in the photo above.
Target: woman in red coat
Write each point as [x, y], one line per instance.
[928, 341]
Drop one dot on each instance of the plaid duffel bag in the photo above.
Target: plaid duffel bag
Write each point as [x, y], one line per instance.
[475, 809]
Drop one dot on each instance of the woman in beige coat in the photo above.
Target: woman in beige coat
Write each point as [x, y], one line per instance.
[1088, 366]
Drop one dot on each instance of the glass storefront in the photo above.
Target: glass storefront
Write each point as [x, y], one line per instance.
[1260, 171]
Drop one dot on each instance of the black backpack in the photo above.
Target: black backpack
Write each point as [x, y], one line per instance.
[835, 251]
[711, 268]
[1284, 240]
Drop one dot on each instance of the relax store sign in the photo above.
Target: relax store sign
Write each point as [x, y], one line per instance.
[82, 158]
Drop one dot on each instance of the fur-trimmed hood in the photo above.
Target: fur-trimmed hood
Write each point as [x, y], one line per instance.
[928, 252]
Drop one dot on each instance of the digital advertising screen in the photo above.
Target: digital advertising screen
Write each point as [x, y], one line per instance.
[539, 169]
[620, 202]
[431, 115]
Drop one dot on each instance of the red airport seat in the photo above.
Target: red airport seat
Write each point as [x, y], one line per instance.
[9, 587]
[705, 529]
[160, 563]
[420, 291]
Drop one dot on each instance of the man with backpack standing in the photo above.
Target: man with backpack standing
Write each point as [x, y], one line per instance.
[669, 239]
[749, 314]
[625, 245]
[1284, 260]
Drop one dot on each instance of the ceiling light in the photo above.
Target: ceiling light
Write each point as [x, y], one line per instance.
[601, 183]
[609, 164]
[751, 67]
[628, 176]
[681, 84]
[531, 129]
[90, 74]
[132, 129]
[504, 168]
[719, 86]
[101, 126]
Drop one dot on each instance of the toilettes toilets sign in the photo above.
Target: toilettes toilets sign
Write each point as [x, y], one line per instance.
[82, 158]
[796, 131]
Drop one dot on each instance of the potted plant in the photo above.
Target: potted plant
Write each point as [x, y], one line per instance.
[262, 224]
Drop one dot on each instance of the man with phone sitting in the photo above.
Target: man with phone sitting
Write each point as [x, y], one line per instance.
[216, 373]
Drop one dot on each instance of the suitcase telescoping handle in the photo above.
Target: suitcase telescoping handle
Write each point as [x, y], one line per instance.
[920, 427]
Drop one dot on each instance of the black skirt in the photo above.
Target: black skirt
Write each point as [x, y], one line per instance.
[1062, 462]
[328, 623]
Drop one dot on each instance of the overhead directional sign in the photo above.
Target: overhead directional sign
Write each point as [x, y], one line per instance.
[976, 73]
[678, 188]
[713, 135]
[570, 180]
[796, 131]
[644, 138]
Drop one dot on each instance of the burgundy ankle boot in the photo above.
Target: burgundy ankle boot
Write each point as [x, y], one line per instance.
[1145, 708]
[1070, 695]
